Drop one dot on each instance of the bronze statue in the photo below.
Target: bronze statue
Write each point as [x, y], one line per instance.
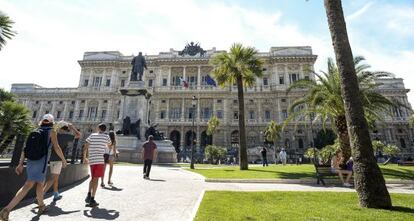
[138, 64]
[126, 126]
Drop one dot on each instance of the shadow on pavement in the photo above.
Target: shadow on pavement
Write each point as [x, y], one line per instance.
[157, 180]
[52, 211]
[113, 188]
[101, 213]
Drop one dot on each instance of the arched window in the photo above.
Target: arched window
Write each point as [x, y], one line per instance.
[402, 142]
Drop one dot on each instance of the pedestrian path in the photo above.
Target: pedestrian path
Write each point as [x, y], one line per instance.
[172, 194]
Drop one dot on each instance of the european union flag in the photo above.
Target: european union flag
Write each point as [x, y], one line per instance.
[210, 81]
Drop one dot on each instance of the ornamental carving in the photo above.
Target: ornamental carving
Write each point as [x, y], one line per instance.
[192, 50]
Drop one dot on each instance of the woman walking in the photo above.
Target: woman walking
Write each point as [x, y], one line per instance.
[110, 158]
[37, 152]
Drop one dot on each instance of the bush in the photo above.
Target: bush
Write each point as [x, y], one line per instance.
[325, 154]
[215, 153]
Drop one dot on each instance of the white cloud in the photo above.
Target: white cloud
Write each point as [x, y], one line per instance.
[359, 12]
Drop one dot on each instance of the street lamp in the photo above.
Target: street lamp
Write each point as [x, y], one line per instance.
[193, 103]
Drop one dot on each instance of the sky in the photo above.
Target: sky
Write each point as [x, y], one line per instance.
[52, 35]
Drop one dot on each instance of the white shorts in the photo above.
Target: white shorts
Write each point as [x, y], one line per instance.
[55, 167]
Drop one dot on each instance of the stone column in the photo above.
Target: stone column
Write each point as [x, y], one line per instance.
[198, 110]
[85, 111]
[287, 80]
[184, 73]
[279, 111]
[65, 110]
[53, 108]
[182, 138]
[98, 111]
[168, 109]
[183, 111]
[199, 78]
[301, 74]
[169, 77]
[41, 111]
[259, 113]
[225, 111]
[76, 111]
[109, 111]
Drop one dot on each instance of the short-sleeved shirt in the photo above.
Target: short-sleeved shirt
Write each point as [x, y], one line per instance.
[149, 148]
[63, 141]
[98, 143]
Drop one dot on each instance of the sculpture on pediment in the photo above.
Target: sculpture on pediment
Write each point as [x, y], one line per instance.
[138, 64]
[192, 50]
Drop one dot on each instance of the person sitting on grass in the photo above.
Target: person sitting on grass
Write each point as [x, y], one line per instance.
[336, 162]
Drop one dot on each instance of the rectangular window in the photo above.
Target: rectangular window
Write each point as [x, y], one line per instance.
[219, 101]
[192, 80]
[284, 114]
[103, 115]
[34, 114]
[150, 83]
[293, 77]
[219, 114]
[235, 115]
[162, 114]
[92, 112]
[281, 80]
[122, 83]
[252, 115]
[176, 81]
[118, 114]
[164, 82]
[206, 113]
[265, 82]
[267, 115]
[58, 115]
[108, 82]
[80, 113]
[97, 81]
[204, 80]
[175, 113]
[306, 77]
[191, 113]
[70, 114]
[85, 83]
[73, 102]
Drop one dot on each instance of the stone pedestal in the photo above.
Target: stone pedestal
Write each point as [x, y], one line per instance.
[130, 150]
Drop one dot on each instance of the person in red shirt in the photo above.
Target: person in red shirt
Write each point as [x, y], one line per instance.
[149, 152]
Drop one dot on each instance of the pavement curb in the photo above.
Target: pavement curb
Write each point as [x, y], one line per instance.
[293, 181]
[197, 205]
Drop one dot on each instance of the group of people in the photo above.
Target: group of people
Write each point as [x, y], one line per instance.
[281, 157]
[47, 144]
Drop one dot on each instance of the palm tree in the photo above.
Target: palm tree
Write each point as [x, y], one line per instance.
[272, 132]
[5, 96]
[5, 29]
[212, 125]
[369, 182]
[324, 99]
[14, 120]
[241, 66]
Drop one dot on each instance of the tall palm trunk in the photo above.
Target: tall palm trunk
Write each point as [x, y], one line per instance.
[343, 136]
[369, 182]
[242, 129]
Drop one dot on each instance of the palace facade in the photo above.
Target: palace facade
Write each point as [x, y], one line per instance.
[97, 99]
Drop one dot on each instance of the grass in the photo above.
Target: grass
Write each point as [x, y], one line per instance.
[289, 172]
[227, 205]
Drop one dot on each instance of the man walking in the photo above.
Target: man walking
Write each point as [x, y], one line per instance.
[283, 156]
[264, 156]
[149, 153]
[96, 144]
[63, 128]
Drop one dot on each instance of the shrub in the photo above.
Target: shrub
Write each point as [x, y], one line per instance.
[215, 153]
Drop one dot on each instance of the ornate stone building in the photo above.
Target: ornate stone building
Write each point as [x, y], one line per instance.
[97, 98]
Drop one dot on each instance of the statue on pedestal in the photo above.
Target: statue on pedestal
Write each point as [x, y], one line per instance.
[138, 64]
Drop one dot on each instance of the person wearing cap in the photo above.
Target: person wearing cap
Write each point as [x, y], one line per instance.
[95, 147]
[35, 170]
[55, 164]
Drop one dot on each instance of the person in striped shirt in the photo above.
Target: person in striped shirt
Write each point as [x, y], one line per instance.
[95, 147]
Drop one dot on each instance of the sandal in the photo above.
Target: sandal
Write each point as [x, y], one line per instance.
[4, 215]
[42, 209]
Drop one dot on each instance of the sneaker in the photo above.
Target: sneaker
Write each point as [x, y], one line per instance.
[4, 215]
[93, 203]
[88, 199]
[42, 209]
[57, 197]
[110, 183]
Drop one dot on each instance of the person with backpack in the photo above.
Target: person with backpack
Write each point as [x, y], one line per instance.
[95, 147]
[63, 128]
[37, 149]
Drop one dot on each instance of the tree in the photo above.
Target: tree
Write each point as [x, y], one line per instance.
[324, 137]
[272, 132]
[324, 99]
[215, 153]
[5, 29]
[5, 96]
[369, 182]
[212, 125]
[240, 66]
[14, 120]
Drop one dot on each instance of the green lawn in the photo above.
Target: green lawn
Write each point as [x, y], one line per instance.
[289, 172]
[227, 205]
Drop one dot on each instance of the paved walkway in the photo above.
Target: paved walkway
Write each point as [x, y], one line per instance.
[172, 194]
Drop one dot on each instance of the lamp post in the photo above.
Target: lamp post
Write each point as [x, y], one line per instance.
[193, 103]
